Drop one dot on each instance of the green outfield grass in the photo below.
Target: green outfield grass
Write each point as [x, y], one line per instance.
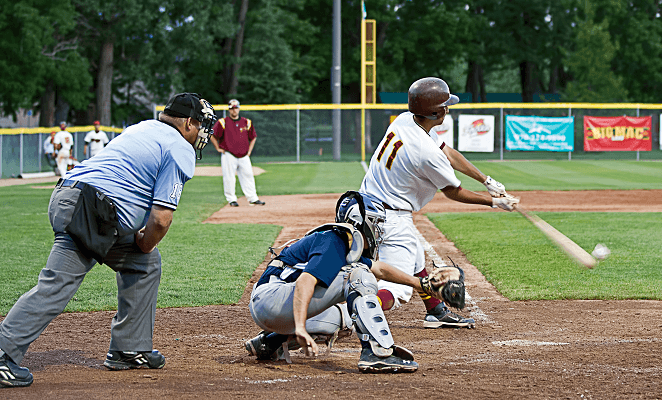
[524, 265]
[210, 264]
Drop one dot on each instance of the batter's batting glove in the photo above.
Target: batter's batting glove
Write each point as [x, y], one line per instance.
[507, 203]
[495, 188]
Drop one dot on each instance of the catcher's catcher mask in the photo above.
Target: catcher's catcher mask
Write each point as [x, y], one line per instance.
[367, 215]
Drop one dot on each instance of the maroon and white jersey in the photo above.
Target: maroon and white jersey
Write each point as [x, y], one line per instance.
[408, 167]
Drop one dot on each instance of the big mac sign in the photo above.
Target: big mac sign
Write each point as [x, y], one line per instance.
[617, 134]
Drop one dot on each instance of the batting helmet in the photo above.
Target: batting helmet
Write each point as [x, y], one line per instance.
[429, 96]
[366, 214]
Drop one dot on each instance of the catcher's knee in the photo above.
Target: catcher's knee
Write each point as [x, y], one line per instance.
[365, 307]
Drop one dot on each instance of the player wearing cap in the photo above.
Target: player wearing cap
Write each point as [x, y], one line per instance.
[96, 140]
[406, 170]
[114, 209]
[63, 142]
[234, 137]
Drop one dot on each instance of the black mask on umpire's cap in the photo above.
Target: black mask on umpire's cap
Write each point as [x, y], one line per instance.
[191, 105]
[184, 105]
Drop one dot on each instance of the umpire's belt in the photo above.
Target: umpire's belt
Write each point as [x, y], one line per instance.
[68, 183]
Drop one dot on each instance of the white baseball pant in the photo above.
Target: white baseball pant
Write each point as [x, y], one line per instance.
[62, 162]
[401, 249]
[243, 168]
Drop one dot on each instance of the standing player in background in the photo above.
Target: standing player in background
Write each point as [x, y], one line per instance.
[406, 170]
[95, 140]
[63, 143]
[234, 137]
[113, 209]
[49, 151]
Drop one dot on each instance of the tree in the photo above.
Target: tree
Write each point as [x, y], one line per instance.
[40, 53]
[590, 63]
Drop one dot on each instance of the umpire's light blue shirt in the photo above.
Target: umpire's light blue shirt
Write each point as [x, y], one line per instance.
[148, 164]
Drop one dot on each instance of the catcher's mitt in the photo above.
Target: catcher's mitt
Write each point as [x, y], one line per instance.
[445, 283]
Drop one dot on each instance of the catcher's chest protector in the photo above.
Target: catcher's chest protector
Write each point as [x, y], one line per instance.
[354, 238]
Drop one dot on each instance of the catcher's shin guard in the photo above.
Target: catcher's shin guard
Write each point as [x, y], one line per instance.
[363, 303]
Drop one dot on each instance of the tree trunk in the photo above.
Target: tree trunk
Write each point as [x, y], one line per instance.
[238, 45]
[105, 82]
[476, 82]
[529, 80]
[47, 106]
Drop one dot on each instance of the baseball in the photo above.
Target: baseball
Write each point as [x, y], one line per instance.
[601, 251]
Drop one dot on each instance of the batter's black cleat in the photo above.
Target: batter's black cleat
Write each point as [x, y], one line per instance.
[234, 204]
[369, 363]
[442, 317]
[11, 375]
[120, 360]
[266, 345]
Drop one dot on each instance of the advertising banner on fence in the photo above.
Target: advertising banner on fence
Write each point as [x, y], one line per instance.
[476, 133]
[617, 134]
[540, 133]
[444, 132]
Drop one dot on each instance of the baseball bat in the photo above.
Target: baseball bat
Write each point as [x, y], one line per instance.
[572, 249]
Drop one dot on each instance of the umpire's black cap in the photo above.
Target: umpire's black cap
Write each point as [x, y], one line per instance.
[184, 105]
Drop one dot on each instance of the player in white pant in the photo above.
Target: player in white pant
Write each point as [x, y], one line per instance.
[406, 170]
[63, 142]
[244, 170]
[234, 137]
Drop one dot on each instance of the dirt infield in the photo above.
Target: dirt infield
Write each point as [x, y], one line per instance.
[531, 349]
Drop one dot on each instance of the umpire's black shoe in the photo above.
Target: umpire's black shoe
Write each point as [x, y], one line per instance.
[369, 363]
[11, 375]
[119, 360]
[442, 317]
[234, 204]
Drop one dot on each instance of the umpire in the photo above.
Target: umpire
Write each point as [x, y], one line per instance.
[113, 209]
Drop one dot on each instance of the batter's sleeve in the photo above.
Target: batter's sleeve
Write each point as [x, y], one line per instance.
[176, 169]
[437, 168]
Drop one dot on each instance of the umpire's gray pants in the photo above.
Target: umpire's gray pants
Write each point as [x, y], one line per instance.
[272, 307]
[138, 277]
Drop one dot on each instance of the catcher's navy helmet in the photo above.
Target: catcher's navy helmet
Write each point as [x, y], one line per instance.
[366, 214]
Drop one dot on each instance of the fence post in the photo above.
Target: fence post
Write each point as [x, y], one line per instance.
[573, 134]
[298, 135]
[20, 155]
[501, 144]
[41, 148]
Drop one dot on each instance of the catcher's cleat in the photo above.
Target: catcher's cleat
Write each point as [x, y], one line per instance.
[369, 363]
[442, 317]
[265, 346]
[119, 360]
[257, 203]
[11, 375]
[234, 204]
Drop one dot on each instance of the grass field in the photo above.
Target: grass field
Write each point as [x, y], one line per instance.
[210, 264]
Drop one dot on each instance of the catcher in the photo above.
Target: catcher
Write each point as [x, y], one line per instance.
[300, 298]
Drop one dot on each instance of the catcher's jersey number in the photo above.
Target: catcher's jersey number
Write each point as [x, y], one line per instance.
[394, 152]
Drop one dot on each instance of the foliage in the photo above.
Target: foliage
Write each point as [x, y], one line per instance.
[590, 64]
[39, 44]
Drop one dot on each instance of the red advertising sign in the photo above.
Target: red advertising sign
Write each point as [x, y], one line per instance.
[617, 134]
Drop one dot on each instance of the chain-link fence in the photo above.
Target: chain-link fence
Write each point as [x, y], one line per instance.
[304, 133]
